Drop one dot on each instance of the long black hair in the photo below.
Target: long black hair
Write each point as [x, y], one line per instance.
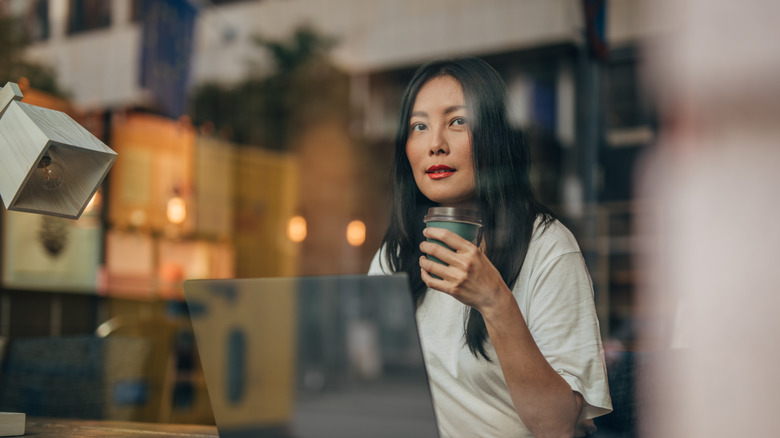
[503, 192]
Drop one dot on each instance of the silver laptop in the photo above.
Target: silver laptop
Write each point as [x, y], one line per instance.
[319, 357]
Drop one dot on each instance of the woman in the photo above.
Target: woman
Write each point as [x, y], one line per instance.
[508, 326]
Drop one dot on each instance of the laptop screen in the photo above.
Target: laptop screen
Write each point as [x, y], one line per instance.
[332, 356]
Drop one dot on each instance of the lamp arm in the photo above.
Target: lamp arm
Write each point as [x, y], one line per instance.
[8, 94]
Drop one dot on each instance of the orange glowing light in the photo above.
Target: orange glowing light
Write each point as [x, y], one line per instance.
[296, 229]
[356, 233]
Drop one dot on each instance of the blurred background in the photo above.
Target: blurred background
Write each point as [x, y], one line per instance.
[255, 139]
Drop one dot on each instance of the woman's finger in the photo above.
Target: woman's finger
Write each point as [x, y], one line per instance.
[434, 267]
[447, 237]
[430, 268]
[434, 249]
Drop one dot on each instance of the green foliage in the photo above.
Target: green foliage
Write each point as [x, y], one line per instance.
[13, 66]
[268, 110]
[306, 45]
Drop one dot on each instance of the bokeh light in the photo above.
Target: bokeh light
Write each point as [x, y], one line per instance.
[356, 233]
[296, 229]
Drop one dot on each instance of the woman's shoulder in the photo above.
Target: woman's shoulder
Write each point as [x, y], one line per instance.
[552, 238]
[379, 265]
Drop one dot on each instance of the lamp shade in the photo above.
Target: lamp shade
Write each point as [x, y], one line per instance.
[49, 164]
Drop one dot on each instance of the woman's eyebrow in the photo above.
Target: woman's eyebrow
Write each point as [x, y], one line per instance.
[452, 109]
[448, 110]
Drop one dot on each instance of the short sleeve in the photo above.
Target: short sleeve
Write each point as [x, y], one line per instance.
[378, 264]
[561, 315]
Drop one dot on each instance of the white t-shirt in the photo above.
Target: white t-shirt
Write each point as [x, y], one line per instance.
[555, 295]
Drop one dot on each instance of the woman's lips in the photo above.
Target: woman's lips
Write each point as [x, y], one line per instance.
[439, 171]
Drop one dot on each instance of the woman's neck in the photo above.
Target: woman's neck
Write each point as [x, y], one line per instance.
[470, 204]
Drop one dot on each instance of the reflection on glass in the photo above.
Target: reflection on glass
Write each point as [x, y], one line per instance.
[319, 356]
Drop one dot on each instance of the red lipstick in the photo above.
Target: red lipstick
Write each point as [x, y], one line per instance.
[439, 171]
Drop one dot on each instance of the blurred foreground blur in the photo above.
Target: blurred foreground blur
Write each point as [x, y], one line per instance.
[714, 176]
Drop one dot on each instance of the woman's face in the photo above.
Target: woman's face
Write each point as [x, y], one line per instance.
[439, 143]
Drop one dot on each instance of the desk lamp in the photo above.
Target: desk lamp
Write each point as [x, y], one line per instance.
[49, 164]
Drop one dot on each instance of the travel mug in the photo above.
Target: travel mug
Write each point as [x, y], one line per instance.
[465, 222]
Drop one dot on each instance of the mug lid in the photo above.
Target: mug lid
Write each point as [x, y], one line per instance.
[454, 214]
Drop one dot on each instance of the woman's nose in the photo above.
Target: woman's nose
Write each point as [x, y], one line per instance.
[439, 144]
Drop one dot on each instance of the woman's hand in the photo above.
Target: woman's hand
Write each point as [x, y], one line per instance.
[470, 277]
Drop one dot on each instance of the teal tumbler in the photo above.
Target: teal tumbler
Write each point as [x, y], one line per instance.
[464, 222]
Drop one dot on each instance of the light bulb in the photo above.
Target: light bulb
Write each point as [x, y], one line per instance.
[177, 210]
[51, 174]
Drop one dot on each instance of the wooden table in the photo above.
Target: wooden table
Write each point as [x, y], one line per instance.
[60, 427]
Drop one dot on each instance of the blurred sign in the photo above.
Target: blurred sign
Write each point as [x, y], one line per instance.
[166, 51]
[595, 25]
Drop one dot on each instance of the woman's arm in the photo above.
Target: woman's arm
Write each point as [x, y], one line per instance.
[542, 398]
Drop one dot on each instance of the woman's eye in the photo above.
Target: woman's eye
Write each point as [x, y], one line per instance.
[418, 127]
[458, 121]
